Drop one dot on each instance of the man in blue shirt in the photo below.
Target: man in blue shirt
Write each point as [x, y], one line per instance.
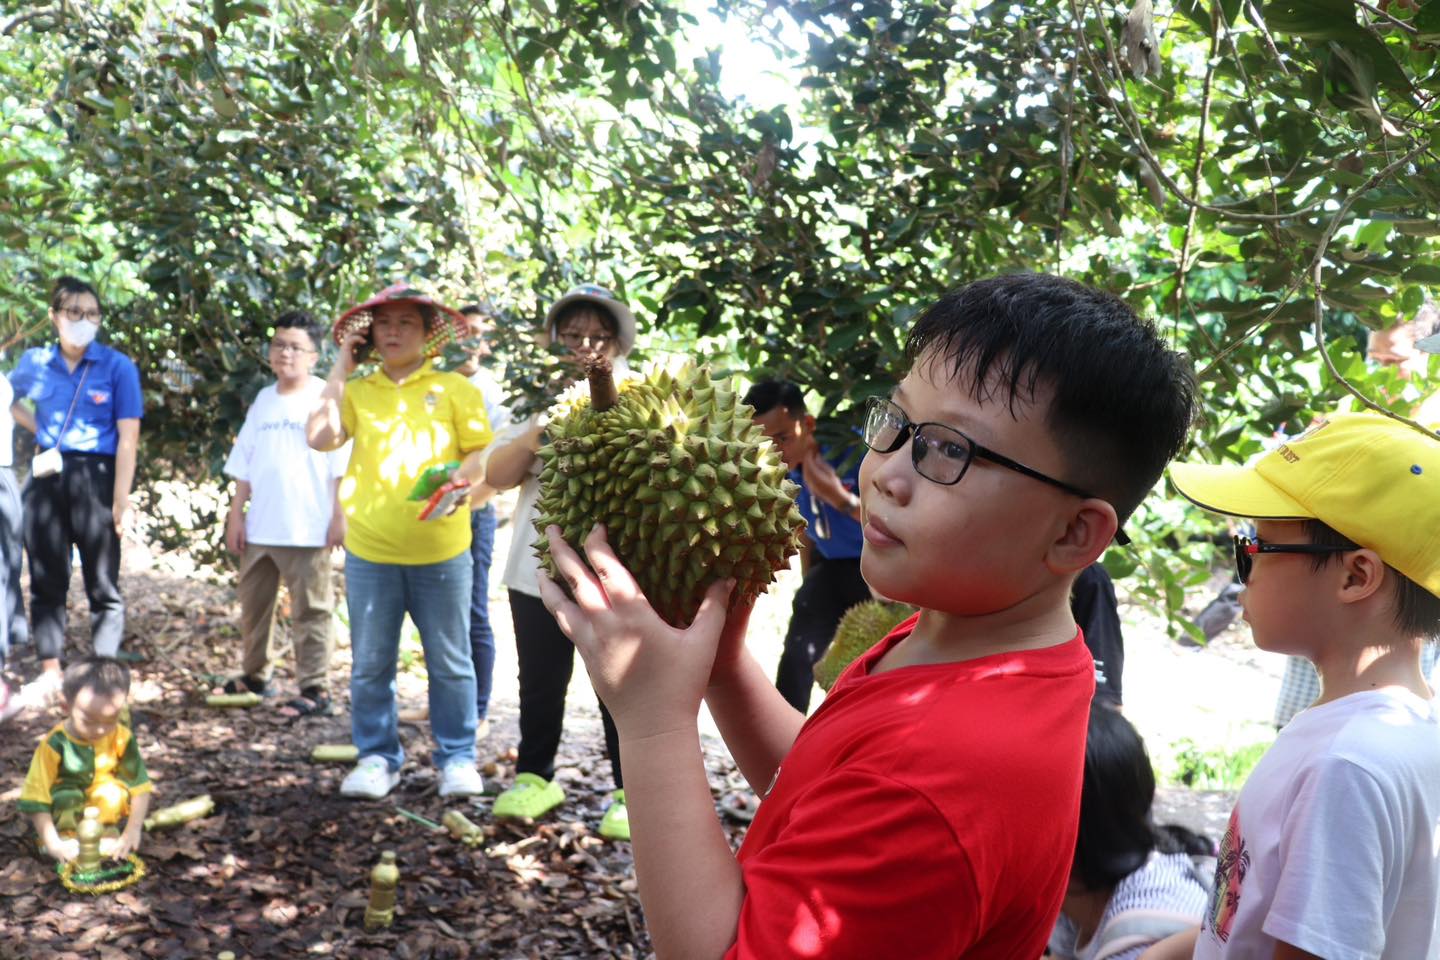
[84, 407]
[831, 559]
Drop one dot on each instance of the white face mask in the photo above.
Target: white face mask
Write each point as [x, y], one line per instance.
[80, 332]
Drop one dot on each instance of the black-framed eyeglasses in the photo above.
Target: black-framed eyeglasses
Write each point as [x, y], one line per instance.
[942, 454]
[290, 348]
[77, 316]
[1245, 550]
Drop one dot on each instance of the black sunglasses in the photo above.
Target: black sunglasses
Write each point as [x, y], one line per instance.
[942, 454]
[1245, 550]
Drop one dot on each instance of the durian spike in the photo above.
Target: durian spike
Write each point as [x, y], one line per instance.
[603, 393]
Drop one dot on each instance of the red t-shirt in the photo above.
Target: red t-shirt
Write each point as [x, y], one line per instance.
[928, 811]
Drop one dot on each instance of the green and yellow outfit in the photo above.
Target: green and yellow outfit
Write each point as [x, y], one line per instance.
[67, 775]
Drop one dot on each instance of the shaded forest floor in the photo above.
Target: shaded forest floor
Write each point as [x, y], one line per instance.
[281, 868]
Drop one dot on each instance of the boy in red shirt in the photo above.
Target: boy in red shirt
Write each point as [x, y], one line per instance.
[929, 807]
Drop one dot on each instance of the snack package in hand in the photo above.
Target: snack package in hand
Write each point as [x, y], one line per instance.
[432, 480]
[444, 500]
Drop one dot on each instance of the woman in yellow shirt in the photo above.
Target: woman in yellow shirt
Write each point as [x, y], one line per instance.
[404, 418]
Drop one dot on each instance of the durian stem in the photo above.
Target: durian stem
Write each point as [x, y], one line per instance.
[603, 393]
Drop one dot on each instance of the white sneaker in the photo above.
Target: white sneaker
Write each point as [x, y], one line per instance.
[372, 779]
[43, 692]
[461, 779]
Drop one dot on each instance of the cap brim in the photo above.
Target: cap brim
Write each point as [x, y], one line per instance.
[1235, 491]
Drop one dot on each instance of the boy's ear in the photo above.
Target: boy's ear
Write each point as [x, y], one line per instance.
[1365, 574]
[1089, 531]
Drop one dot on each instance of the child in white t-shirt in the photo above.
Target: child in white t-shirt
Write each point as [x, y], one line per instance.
[293, 521]
[1333, 848]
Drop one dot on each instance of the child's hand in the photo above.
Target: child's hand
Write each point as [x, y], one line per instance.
[335, 534]
[649, 674]
[235, 533]
[63, 849]
[126, 844]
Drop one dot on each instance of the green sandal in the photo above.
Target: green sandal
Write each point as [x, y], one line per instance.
[615, 825]
[531, 797]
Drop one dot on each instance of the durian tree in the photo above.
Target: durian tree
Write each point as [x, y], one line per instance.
[1256, 176]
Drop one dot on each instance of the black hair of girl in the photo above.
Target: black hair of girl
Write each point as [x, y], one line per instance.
[67, 287]
[1116, 836]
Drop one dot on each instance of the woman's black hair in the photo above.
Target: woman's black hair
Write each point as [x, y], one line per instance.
[1116, 836]
[67, 287]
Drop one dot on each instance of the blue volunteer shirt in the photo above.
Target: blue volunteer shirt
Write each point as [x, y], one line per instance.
[845, 539]
[111, 392]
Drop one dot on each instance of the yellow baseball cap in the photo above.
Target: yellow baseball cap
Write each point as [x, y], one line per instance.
[1373, 479]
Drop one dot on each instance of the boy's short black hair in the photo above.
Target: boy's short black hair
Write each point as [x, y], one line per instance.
[1417, 610]
[300, 320]
[1123, 401]
[1116, 836]
[766, 395]
[102, 676]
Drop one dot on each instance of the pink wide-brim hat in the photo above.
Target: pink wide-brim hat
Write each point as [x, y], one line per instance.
[402, 293]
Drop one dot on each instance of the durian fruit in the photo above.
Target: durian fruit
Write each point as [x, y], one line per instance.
[687, 486]
[863, 626]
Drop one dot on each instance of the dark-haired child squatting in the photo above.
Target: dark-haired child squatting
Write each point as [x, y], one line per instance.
[1132, 884]
[929, 806]
[88, 760]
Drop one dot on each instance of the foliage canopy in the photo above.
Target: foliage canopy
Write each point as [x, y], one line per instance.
[1251, 174]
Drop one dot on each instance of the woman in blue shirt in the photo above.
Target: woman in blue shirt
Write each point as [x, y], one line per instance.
[85, 406]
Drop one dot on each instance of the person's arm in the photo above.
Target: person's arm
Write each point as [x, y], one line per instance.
[125, 448]
[325, 430]
[1283, 951]
[235, 519]
[134, 834]
[508, 463]
[23, 414]
[822, 480]
[1177, 946]
[755, 720]
[652, 677]
[335, 535]
[58, 847]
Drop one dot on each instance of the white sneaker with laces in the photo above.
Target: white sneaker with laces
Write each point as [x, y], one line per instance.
[461, 779]
[371, 779]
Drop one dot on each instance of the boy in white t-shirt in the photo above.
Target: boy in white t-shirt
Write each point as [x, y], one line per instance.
[1333, 848]
[293, 521]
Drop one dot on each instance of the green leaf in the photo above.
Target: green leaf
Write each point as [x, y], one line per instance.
[1312, 19]
[1427, 21]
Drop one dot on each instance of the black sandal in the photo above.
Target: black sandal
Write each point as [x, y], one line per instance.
[247, 685]
[312, 702]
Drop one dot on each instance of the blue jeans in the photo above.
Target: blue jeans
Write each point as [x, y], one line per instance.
[482, 638]
[434, 594]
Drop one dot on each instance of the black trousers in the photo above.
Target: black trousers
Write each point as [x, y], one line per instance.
[547, 659]
[830, 588]
[74, 507]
